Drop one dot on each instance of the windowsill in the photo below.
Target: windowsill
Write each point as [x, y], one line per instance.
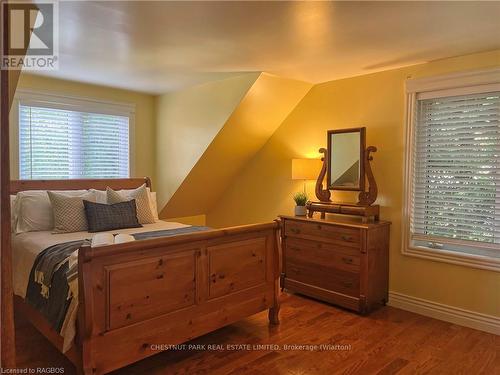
[453, 257]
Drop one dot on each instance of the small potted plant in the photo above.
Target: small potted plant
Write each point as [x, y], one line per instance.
[300, 201]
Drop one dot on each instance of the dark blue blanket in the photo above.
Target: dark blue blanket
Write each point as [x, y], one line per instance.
[169, 232]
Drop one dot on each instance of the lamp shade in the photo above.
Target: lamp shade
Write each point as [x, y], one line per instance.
[306, 169]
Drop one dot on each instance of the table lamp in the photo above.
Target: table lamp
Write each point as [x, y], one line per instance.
[306, 169]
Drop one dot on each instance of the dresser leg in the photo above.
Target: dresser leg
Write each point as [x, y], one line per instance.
[274, 315]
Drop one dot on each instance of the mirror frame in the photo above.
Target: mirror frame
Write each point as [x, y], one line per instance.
[362, 148]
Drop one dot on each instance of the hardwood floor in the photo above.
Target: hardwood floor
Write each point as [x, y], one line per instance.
[388, 341]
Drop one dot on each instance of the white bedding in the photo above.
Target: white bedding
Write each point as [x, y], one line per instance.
[26, 247]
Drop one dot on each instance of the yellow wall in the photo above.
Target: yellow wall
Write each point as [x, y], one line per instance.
[263, 188]
[190, 220]
[144, 141]
[187, 121]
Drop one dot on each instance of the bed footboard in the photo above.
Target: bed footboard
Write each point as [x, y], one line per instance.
[139, 297]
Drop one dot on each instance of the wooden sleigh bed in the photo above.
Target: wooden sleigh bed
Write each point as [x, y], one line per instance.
[137, 296]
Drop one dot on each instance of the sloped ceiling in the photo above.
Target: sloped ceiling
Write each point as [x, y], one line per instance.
[187, 122]
[262, 110]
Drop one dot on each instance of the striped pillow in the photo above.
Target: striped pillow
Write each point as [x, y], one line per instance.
[69, 214]
[141, 196]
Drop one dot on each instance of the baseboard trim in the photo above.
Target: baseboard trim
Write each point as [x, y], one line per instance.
[456, 315]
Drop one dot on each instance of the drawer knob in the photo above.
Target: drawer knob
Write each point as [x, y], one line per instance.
[319, 227]
[295, 230]
[347, 284]
[347, 260]
[346, 238]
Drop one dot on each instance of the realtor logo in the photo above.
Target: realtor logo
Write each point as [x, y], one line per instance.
[32, 35]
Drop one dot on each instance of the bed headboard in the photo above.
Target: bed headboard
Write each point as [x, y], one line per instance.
[100, 184]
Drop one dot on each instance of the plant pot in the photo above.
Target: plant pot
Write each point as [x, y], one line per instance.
[300, 211]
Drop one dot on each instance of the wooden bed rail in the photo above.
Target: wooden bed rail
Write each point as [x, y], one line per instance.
[136, 295]
[153, 243]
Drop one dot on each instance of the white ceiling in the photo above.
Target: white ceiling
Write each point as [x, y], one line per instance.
[162, 46]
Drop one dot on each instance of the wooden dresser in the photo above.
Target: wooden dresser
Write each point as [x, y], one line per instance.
[336, 260]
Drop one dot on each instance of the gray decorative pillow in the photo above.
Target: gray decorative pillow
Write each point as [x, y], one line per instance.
[144, 213]
[102, 217]
[69, 212]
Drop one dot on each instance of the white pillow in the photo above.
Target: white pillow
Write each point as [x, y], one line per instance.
[34, 211]
[100, 196]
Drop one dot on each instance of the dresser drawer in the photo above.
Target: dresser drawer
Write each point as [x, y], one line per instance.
[322, 253]
[345, 236]
[337, 260]
[323, 277]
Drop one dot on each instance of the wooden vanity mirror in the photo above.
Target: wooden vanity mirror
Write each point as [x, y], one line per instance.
[346, 166]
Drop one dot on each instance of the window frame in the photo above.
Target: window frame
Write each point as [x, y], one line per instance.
[440, 86]
[71, 103]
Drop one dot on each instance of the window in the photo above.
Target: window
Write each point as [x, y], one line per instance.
[453, 170]
[63, 138]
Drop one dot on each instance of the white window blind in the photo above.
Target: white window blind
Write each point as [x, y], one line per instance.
[62, 144]
[456, 171]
